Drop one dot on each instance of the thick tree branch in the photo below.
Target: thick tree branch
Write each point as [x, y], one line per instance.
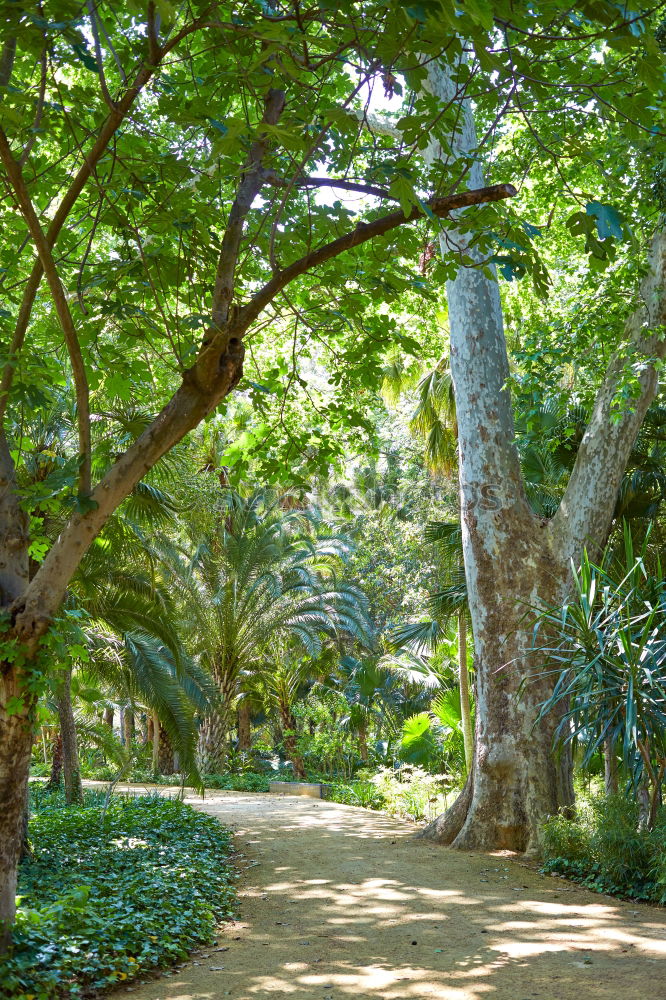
[588, 503]
[248, 189]
[441, 207]
[40, 241]
[190, 404]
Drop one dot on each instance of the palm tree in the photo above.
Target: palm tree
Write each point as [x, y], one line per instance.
[257, 580]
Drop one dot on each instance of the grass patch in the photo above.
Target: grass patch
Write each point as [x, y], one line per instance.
[111, 893]
[604, 850]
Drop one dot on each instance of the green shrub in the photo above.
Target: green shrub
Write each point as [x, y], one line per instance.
[109, 893]
[248, 782]
[604, 850]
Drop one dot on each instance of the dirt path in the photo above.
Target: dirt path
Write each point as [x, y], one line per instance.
[339, 903]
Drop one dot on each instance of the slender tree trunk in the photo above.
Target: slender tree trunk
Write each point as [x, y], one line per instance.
[244, 725]
[70, 750]
[56, 763]
[156, 737]
[465, 704]
[108, 716]
[363, 742]
[611, 780]
[129, 727]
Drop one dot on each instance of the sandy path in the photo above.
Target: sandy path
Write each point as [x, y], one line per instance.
[339, 903]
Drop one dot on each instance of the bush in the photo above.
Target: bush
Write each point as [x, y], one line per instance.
[110, 893]
[248, 782]
[603, 849]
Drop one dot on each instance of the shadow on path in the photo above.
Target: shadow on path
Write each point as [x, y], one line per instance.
[342, 903]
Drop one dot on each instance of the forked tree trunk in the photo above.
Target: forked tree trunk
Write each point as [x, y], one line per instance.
[244, 725]
[70, 750]
[465, 703]
[515, 560]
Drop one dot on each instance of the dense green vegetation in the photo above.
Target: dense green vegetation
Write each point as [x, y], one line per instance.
[605, 849]
[332, 442]
[152, 879]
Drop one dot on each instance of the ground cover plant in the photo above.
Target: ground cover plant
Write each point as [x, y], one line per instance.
[605, 849]
[112, 889]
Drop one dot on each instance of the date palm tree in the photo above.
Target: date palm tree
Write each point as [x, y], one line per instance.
[257, 577]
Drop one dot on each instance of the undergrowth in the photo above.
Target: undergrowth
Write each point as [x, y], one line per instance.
[113, 890]
[603, 849]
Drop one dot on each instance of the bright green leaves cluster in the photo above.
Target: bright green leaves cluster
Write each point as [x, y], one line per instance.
[569, 100]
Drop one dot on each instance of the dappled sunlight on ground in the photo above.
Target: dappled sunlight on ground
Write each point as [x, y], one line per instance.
[340, 903]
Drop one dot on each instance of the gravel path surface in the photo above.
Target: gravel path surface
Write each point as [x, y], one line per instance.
[338, 903]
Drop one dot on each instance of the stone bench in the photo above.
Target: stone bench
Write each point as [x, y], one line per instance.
[311, 789]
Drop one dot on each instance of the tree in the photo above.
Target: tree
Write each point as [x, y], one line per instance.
[137, 204]
[256, 581]
[512, 556]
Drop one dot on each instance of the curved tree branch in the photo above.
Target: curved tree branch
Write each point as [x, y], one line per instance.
[40, 241]
[588, 503]
[440, 207]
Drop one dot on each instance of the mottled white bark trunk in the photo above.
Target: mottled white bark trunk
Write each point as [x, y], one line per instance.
[514, 560]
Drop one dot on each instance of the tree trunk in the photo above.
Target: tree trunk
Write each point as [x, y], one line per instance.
[108, 716]
[363, 742]
[155, 736]
[15, 749]
[515, 560]
[56, 764]
[465, 705]
[165, 754]
[290, 742]
[129, 728]
[611, 780]
[70, 750]
[212, 749]
[244, 725]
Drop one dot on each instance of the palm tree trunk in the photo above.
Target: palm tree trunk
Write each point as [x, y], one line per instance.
[212, 751]
[165, 755]
[108, 716]
[289, 726]
[155, 726]
[363, 741]
[70, 750]
[244, 725]
[463, 677]
[128, 726]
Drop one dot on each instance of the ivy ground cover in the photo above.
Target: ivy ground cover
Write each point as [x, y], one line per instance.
[110, 892]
